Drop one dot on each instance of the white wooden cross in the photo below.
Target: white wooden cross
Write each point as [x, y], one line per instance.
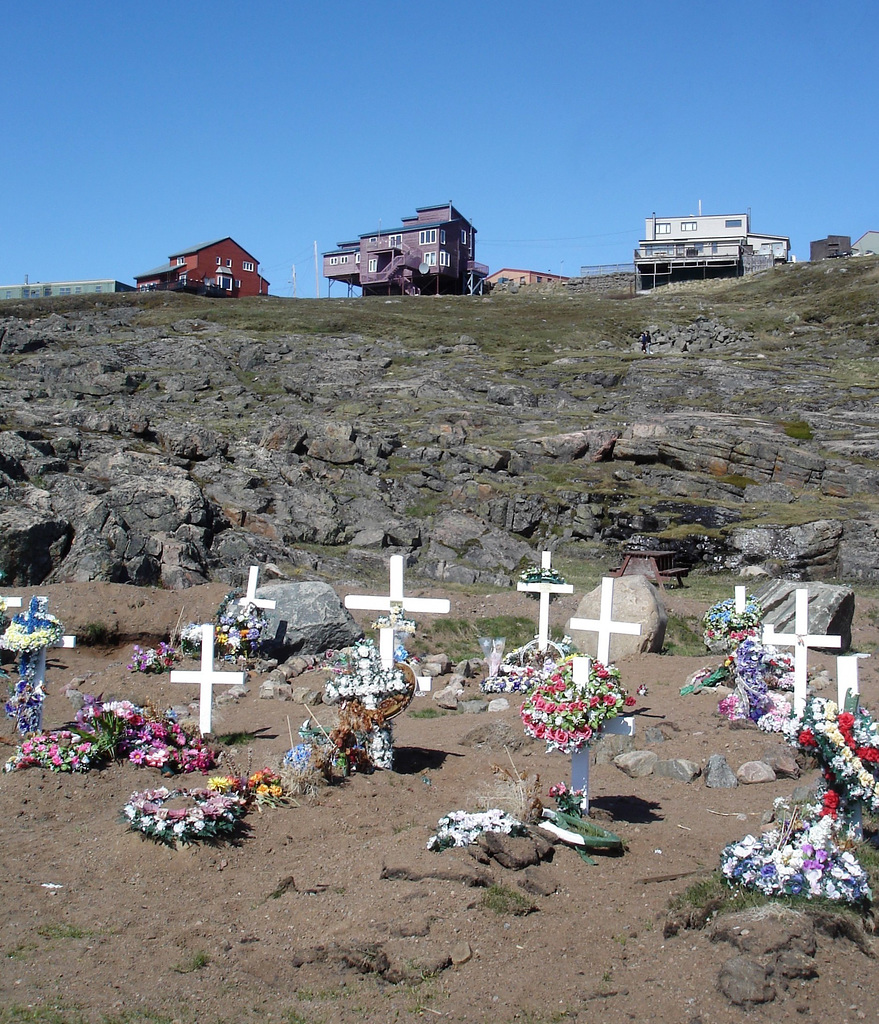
[604, 625]
[801, 640]
[545, 590]
[847, 683]
[207, 677]
[11, 602]
[741, 600]
[395, 603]
[623, 725]
[250, 597]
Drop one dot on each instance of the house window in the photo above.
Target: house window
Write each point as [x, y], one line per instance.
[734, 223]
[247, 265]
[63, 291]
[357, 257]
[97, 288]
[228, 263]
[343, 259]
[219, 261]
[463, 237]
[77, 290]
[334, 260]
[373, 239]
[373, 265]
[181, 260]
[430, 259]
[427, 237]
[688, 225]
[48, 291]
[445, 259]
[395, 241]
[442, 236]
[663, 229]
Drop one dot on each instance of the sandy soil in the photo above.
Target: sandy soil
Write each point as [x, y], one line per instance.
[290, 923]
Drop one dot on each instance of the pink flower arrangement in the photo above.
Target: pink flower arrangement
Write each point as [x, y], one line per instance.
[566, 714]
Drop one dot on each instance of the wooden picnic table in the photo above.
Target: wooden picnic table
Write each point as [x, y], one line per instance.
[656, 565]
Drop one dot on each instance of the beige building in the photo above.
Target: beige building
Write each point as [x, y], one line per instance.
[510, 276]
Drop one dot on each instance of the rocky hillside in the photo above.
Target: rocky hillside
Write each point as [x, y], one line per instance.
[164, 439]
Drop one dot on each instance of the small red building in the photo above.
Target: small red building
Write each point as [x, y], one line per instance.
[219, 269]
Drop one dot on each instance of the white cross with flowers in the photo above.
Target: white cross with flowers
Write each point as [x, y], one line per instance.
[604, 625]
[250, 598]
[545, 589]
[848, 686]
[207, 677]
[801, 640]
[10, 602]
[622, 725]
[395, 603]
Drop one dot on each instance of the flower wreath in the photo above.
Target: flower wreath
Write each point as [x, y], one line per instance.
[846, 744]
[724, 628]
[199, 814]
[567, 714]
[60, 751]
[797, 858]
[537, 574]
[31, 632]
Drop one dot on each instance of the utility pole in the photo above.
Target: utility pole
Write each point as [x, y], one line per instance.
[293, 279]
[316, 277]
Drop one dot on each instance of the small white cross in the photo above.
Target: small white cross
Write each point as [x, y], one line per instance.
[741, 600]
[395, 602]
[604, 625]
[801, 640]
[207, 677]
[545, 590]
[619, 726]
[250, 597]
[11, 602]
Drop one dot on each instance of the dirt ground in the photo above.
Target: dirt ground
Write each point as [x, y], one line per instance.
[293, 922]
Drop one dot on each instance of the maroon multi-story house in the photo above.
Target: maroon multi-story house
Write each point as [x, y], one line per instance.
[220, 268]
[431, 253]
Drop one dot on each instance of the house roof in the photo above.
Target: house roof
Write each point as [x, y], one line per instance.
[156, 271]
[207, 245]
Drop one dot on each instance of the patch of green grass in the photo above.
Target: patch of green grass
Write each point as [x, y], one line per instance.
[798, 429]
[502, 900]
[427, 713]
[62, 931]
[196, 962]
[683, 636]
[97, 634]
[236, 739]
[460, 637]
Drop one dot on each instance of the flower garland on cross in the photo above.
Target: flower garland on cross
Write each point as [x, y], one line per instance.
[28, 635]
[369, 696]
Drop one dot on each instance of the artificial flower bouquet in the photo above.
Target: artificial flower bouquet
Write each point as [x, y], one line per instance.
[460, 828]
[565, 714]
[263, 787]
[59, 751]
[180, 817]
[569, 801]
[798, 857]
[153, 660]
[723, 628]
[846, 744]
[240, 629]
[144, 736]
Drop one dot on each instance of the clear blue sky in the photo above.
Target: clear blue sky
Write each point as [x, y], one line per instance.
[133, 130]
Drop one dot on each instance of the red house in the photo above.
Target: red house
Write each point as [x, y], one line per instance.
[220, 269]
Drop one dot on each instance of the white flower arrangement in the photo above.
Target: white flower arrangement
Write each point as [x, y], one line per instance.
[460, 828]
[365, 679]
